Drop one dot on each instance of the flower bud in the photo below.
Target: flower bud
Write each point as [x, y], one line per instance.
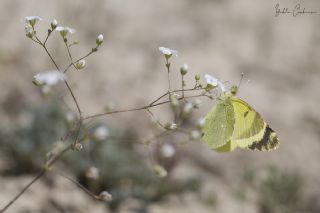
[197, 77]
[184, 69]
[36, 82]
[160, 171]
[110, 106]
[187, 108]
[70, 118]
[171, 126]
[80, 64]
[92, 173]
[195, 135]
[99, 40]
[46, 90]
[54, 24]
[105, 196]
[101, 133]
[77, 146]
[29, 31]
[75, 42]
[201, 122]
[167, 151]
[173, 99]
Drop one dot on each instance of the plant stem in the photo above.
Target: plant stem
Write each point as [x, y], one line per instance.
[137, 109]
[168, 72]
[41, 173]
[79, 185]
[182, 86]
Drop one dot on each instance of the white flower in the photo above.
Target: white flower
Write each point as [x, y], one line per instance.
[167, 150]
[195, 134]
[211, 80]
[168, 52]
[188, 108]
[101, 133]
[32, 19]
[214, 82]
[65, 30]
[68, 29]
[81, 64]
[49, 78]
[222, 87]
[99, 39]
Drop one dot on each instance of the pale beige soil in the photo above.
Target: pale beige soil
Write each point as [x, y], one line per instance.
[280, 57]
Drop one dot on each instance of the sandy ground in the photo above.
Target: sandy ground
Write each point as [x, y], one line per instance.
[279, 55]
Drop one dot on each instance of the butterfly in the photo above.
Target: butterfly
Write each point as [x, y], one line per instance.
[233, 123]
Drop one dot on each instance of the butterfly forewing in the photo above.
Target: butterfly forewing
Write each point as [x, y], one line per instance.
[219, 124]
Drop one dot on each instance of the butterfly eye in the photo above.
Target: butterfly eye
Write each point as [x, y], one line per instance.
[273, 136]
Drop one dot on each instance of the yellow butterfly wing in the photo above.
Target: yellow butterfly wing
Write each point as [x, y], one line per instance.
[250, 130]
[219, 124]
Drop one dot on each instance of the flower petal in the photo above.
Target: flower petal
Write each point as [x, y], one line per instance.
[211, 80]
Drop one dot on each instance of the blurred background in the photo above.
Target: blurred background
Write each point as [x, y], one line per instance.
[279, 59]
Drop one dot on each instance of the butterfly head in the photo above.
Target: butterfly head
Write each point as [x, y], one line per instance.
[234, 90]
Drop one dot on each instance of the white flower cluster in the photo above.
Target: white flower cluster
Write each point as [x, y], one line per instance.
[30, 22]
[49, 78]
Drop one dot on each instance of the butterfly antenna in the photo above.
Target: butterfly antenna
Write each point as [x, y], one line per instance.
[239, 84]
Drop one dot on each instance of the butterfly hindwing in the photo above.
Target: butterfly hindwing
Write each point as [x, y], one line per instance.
[249, 126]
[228, 147]
[269, 141]
[219, 124]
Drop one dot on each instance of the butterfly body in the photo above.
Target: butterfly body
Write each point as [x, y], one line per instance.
[233, 123]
